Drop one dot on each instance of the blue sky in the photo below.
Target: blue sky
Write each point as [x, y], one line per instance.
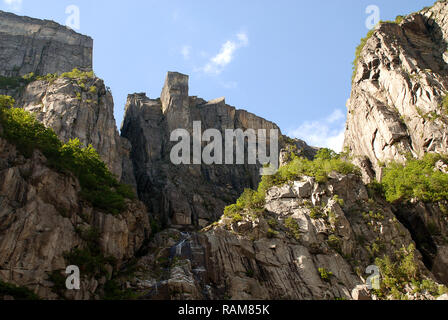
[286, 61]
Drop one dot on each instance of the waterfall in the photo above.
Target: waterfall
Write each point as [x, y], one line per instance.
[180, 245]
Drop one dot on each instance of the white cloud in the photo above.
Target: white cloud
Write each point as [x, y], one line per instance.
[14, 5]
[185, 52]
[225, 56]
[337, 115]
[325, 133]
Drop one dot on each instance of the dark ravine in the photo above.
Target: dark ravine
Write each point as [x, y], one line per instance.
[309, 240]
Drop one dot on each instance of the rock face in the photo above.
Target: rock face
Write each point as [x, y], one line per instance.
[310, 240]
[83, 110]
[40, 46]
[192, 194]
[401, 78]
[324, 257]
[42, 219]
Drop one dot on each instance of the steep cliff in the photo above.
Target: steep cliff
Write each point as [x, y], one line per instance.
[310, 231]
[40, 46]
[46, 225]
[311, 238]
[77, 107]
[187, 195]
[397, 105]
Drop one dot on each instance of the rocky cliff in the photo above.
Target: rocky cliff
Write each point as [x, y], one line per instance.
[311, 231]
[40, 46]
[309, 241]
[397, 105]
[46, 226]
[188, 195]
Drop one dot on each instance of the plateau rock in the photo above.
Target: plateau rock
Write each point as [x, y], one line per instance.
[40, 46]
[186, 195]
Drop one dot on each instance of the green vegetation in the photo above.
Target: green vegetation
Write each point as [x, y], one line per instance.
[363, 43]
[114, 291]
[18, 82]
[58, 279]
[416, 179]
[89, 260]
[359, 49]
[272, 222]
[339, 200]
[334, 242]
[271, 233]
[15, 82]
[316, 213]
[399, 19]
[325, 162]
[293, 227]
[402, 270]
[377, 216]
[98, 184]
[78, 75]
[325, 274]
[6, 102]
[18, 293]
[444, 104]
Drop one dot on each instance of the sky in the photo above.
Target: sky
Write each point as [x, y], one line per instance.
[288, 61]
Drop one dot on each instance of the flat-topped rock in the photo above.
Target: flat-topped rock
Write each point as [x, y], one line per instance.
[40, 46]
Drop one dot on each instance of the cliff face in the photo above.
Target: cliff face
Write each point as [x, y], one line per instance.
[43, 219]
[185, 195]
[75, 109]
[261, 256]
[396, 105]
[310, 239]
[40, 46]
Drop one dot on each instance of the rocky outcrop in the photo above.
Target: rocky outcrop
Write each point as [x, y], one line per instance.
[401, 77]
[313, 241]
[43, 219]
[78, 109]
[187, 195]
[41, 47]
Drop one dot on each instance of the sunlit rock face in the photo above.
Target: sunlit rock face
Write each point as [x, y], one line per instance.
[401, 78]
[40, 46]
